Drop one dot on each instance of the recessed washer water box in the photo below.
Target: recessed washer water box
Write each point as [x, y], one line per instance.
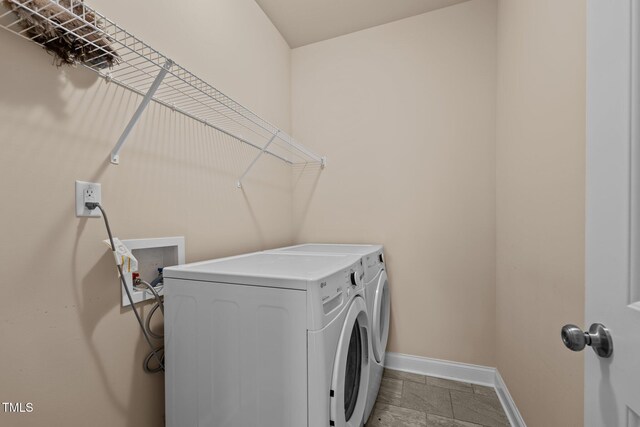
[151, 254]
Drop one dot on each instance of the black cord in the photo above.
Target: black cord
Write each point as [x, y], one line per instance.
[154, 351]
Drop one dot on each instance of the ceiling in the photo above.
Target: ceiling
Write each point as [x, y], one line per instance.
[302, 22]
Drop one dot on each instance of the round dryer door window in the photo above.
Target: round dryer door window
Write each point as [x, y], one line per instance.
[351, 368]
[380, 321]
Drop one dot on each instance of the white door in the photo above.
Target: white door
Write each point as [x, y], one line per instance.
[612, 385]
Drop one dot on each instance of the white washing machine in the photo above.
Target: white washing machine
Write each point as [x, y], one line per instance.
[377, 298]
[268, 340]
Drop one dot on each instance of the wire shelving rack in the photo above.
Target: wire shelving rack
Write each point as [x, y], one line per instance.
[151, 74]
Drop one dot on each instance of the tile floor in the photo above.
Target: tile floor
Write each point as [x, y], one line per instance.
[411, 400]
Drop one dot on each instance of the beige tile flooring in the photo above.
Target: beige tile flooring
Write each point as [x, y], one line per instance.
[411, 400]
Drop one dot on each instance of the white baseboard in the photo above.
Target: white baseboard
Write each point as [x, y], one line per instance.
[474, 374]
[508, 403]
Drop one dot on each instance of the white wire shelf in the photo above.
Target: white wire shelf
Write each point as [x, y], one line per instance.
[149, 73]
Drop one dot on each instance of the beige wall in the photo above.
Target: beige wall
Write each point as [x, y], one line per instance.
[66, 345]
[540, 205]
[405, 113]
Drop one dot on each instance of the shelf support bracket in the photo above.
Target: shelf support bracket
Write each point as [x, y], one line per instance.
[239, 183]
[115, 154]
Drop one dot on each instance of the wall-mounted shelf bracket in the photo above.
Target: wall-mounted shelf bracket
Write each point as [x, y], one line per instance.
[115, 154]
[239, 183]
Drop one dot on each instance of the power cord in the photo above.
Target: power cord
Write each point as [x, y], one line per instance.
[140, 284]
[154, 351]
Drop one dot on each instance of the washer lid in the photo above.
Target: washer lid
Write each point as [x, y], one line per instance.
[280, 270]
[331, 248]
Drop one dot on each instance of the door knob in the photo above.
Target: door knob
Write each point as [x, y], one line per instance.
[598, 338]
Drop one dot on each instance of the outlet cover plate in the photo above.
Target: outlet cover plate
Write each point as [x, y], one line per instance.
[81, 209]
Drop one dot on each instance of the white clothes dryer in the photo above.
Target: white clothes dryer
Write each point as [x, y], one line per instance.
[268, 340]
[377, 298]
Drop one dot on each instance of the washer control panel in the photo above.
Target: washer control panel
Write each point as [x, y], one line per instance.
[327, 297]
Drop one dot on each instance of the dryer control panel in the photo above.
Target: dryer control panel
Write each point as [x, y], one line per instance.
[326, 298]
[373, 263]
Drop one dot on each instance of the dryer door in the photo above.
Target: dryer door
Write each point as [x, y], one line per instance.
[380, 317]
[351, 369]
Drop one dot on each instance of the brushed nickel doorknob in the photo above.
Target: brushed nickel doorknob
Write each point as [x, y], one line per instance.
[598, 338]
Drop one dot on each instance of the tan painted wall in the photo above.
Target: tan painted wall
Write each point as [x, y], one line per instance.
[405, 113]
[66, 345]
[540, 205]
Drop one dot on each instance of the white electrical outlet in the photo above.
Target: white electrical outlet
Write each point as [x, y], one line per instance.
[87, 192]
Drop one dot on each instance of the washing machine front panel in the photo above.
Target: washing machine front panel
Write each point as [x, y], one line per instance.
[350, 379]
[380, 317]
[376, 372]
